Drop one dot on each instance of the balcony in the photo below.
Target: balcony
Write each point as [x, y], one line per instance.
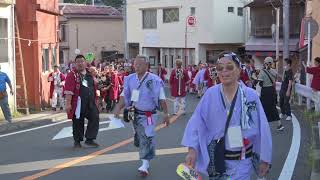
[260, 31]
[264, 31]
[7, 2]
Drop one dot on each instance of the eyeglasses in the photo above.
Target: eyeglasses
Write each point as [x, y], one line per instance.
[228, 67]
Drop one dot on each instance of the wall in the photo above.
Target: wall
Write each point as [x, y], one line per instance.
[8, 67]
[107, 33]
[47, 33]
[228, 27]
[42, 27]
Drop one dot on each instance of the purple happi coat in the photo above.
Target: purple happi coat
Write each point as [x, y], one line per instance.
[208, 123]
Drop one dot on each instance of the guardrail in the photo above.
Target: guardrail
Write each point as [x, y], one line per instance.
[303, 92]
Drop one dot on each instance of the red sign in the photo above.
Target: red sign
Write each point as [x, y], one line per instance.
[191, 20]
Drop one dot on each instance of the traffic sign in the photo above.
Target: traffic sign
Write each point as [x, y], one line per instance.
[77, 51]
[191, 20]
[314, 27]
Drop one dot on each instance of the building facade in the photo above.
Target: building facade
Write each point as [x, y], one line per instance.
[262, 40]
[7, 54]
[39, 47]
[91, 29]
[160, 30]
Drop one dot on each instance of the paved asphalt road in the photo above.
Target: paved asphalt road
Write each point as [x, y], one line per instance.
[29, 153]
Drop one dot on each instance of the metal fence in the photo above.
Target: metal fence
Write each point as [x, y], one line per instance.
[305, 95]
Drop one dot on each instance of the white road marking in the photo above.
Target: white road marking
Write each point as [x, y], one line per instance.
[103, 159]
[67, 131]
[49, 125]
[32, 129]
[290, 163]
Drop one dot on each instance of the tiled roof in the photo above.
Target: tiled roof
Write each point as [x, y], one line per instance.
[79, 9]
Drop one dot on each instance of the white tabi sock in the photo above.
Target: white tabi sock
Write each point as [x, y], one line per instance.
[145, 163]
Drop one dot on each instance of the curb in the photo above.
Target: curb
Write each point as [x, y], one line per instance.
[315, 174]
[32, 121]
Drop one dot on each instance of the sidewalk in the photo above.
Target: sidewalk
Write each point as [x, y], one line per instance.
[32, 120]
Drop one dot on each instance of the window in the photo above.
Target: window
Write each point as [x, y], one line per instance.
[240, 11]
[63, 32]
[4, 54]
[54, 57]
[192, 11]
[171, 60]
[230, 9]
[45, 59]
[149, 18]
[170, 15]
[61, 56]
[165, 61]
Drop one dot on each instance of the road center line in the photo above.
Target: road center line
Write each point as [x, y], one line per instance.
[290, 163]
[90, 156]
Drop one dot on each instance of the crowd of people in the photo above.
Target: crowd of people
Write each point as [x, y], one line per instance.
[223, 138]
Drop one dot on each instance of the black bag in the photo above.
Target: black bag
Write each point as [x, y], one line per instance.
[220, 148]
[128, 113]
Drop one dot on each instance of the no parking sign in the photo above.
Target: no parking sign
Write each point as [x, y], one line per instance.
[191, 21]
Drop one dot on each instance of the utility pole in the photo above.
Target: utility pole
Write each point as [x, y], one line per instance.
[277, 32]
[286, 31]
[13, 46]
[277, 36]
[125, 29]
[92, 2]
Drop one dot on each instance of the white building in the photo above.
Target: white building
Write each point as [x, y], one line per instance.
[157, 29]
[7, 54]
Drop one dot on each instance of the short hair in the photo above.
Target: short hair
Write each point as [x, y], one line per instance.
[288, 61]
[78, 57]
[178, 61]
[317, 59]
[144, 58]
[55, 66]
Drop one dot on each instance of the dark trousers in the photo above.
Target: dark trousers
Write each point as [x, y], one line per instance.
[92, 115]
[109, 103]
[285, 104]
[269, 102]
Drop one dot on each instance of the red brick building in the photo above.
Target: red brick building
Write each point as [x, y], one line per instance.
[38, 21]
